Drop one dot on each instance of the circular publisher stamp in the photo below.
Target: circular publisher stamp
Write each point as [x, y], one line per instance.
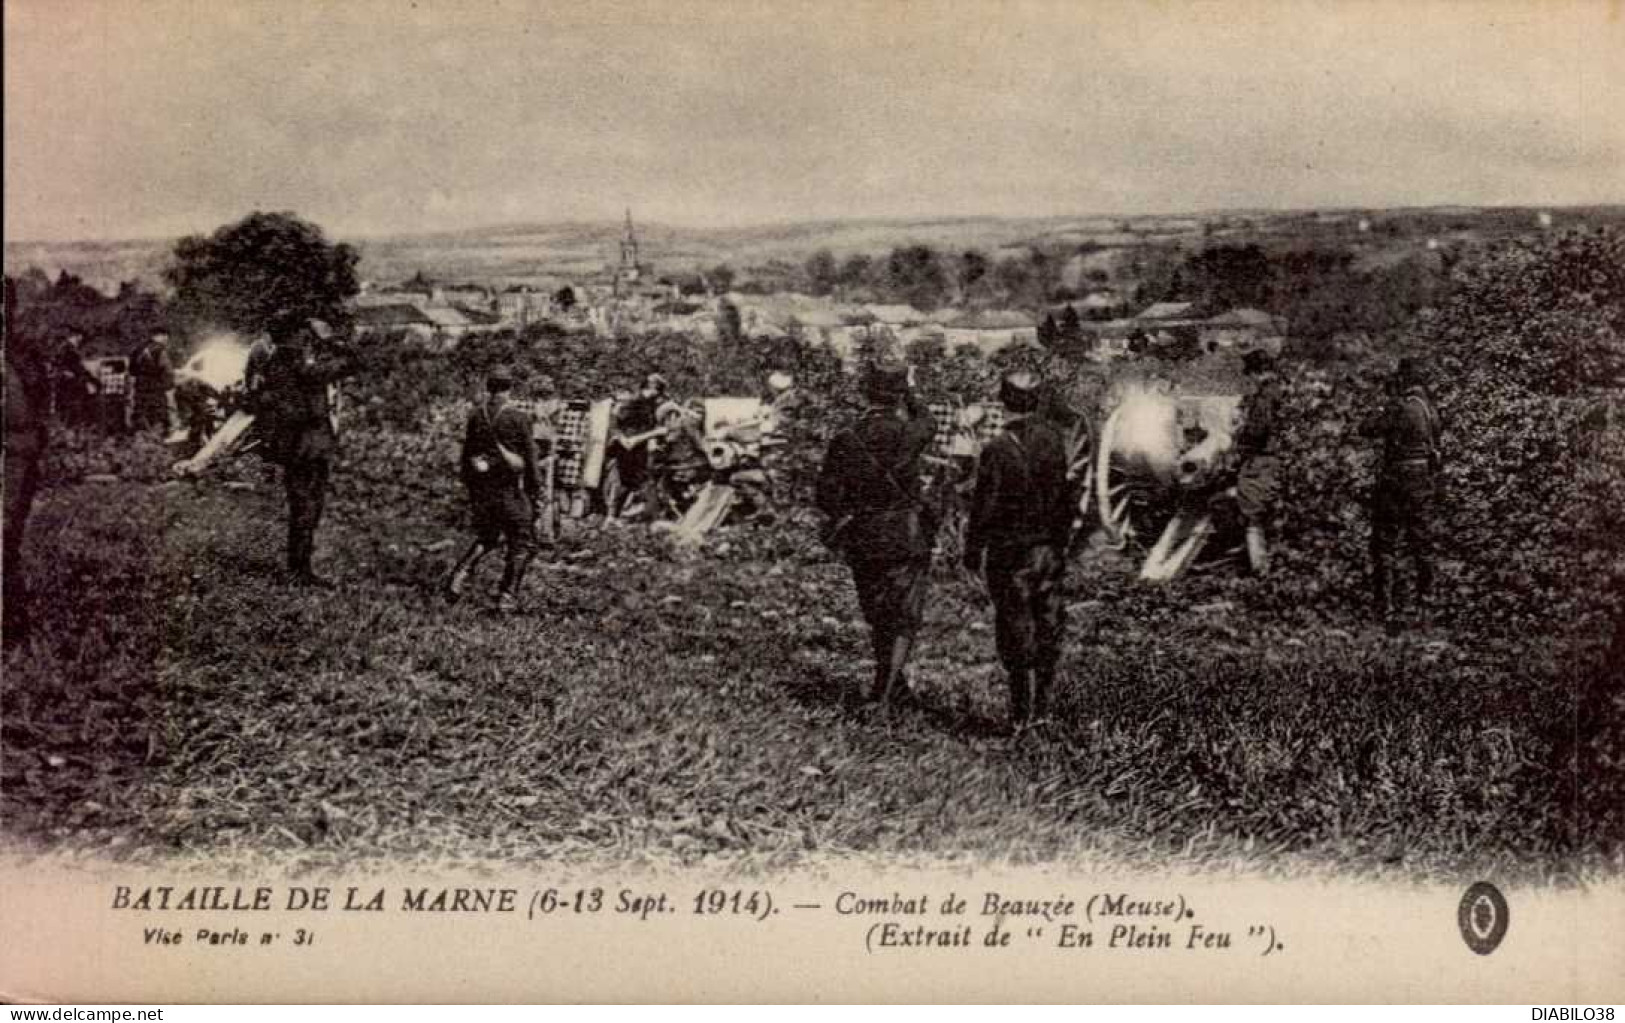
[1483, 917]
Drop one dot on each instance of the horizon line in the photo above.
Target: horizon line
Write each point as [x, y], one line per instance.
[618, 222]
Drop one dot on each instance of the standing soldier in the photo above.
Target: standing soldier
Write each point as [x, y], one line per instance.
[635, 419]
[1020, 524]
[154, 383]
[869, 488]
[297, 421]
[28, 399]
[499, 469]
[1258, 466]
[1404, 502]
[73, 384]
[547, 409]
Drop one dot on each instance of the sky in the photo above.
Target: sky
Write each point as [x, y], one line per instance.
[155, 118]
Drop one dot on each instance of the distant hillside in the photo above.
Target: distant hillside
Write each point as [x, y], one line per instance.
[533, 252]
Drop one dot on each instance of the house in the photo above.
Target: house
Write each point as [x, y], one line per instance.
[990, 331]
[384, 318]
[1167, 312]
[519, 305]
[1101, 305]
[450, 324]
[1243, 330]
[680, 316]
[896, 315]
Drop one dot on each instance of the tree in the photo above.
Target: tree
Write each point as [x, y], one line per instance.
[973, 270]
[1048, 332]
[730, 328]
[1071, 328]
[266, 268]
[721, 277]
[822, 273]
[914, 274]
[856, 270]
[1226, 276]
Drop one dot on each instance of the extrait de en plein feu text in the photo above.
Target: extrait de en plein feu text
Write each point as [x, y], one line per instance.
[1101, 921]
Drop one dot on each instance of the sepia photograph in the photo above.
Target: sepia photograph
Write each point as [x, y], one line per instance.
[743, 479]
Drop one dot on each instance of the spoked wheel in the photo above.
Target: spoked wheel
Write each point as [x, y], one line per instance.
[1113, 492]
[1122, 492]
[610, 490]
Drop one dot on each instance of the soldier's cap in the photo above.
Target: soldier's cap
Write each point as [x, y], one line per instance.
[780, 380]
[1018, 391]
[499, 379]
[885, 384]
[1409, 370]
[668, 409]
[655, 382]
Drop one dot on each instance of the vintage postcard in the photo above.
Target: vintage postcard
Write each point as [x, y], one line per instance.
[868, 501]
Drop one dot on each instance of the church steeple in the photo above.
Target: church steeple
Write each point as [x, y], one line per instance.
[630, 264]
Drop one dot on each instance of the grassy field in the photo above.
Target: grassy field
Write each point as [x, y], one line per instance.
[182, 699]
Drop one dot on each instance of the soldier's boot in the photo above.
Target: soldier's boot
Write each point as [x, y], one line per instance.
[513, 577]
[1423, 593]
[298, 558]
[1258, 551]
[891, 676]
[1382, 594]
[301, 551]
[1043, 689]
[1021, 698]
[457, 582]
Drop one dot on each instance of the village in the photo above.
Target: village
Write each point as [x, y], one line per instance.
[630, 297]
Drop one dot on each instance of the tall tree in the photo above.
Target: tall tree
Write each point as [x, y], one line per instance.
[1071, 327]
[973, 268]
[1048, 332]
[914, 275]
[822, 273]
[266, 268]
[721, 277]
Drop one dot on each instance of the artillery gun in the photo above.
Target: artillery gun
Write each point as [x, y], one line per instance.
[1162, 461]
[210, 395]
[716, 459]
[1149, 478]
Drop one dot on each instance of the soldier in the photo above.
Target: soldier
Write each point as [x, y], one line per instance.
[154, 382]
[547, 409]
[1257, 463]
[1020, 525]
[1404, 501]
[499, 469]
[869, 488]
[28, 389]
[634, 420]
[296, 419]
[73, 384]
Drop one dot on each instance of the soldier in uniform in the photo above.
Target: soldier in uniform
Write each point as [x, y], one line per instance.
[869, 488]
[297, 423]
[154, 381]
[74, 385]
[1020, 525]
[1258, 465]
[499, 469]
[1404, 502]
[28, 399]
[547, 410]
[634, 419]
